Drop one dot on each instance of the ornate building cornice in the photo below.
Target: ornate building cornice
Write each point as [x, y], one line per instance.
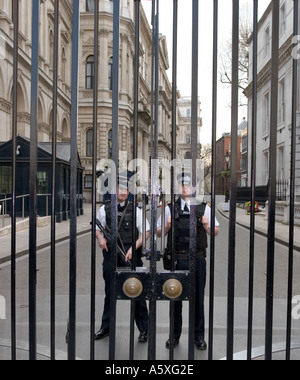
[5, 106]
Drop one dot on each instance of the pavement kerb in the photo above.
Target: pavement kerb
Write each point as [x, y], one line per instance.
[21, 254]
[257, 231]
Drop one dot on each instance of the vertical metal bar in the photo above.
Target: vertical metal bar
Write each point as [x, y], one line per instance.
[194, 148]
[144, 198]
[153, 20]
[154, 188]
[94, 190]
[253, 178]
[115, 159]
[233, 194]
[14, 173]
[33, 178]
[173, 170]
[292, 190]
[135, 156]
[53, 192]
[174, 122]
[73, 181]
[213, 180]
[163, 222]
[23, 208]
[273, 169]
[136, 116]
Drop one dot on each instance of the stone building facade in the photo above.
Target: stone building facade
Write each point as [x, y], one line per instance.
[24, 71]
[86, 73]
[264, 83]
[184, 135]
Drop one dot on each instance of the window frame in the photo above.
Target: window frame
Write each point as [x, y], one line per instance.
[89, 72]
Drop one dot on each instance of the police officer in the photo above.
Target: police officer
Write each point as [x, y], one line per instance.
[125, 218]
[182, 245]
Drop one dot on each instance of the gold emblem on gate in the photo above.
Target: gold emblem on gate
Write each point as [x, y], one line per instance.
[133, 287]
[172, 289]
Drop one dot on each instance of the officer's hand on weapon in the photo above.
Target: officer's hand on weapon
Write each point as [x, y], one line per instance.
[102, 242]
[128, 255]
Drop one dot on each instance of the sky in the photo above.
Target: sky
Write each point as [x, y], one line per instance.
[205, 54]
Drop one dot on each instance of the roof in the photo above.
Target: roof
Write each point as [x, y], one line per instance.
[63, 151]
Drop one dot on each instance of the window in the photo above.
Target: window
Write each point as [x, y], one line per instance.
[282, 19]
[266, 126]
[188, 139]
[111, 6]
[281, 164]
[266, 167]
[89, 85]
[90, 5]
[63, 64]
[51, 47]
[89, 143]
[110, 73]
[109, 153]
[282, 107]
[5, 180]
[267, 41]
[188, 113]
[88, 181]
[42, 184]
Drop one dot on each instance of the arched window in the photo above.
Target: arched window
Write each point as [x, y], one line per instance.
[110, 73]
[63, 64]
[109, 154]
[89, 82]
[89, 143]
[51, 47]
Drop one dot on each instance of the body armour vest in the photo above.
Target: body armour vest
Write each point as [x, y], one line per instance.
[182, 230]
[125, 229]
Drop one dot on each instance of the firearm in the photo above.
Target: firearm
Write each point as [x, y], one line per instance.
[107, 235]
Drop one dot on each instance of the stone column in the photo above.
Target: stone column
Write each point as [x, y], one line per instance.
[124, 79]
[104, 60]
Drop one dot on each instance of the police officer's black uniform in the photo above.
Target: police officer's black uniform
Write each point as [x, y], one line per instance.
[182, 247]
[125, 214]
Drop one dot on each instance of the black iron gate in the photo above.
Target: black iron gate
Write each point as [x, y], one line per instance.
[152, 280]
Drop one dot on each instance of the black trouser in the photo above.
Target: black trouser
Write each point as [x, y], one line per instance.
[199, 305]
[141, 310]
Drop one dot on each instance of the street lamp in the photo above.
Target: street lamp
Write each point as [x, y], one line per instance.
[227, 160]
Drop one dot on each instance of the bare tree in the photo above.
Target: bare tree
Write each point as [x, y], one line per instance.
[206, 158]
[225, 72]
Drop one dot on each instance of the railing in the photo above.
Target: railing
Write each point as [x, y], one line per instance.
[282, 190]
[4, 209]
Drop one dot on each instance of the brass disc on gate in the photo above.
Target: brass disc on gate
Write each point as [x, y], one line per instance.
[133, 287]
[172, 288]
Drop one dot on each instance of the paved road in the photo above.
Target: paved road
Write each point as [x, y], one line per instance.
[83, 299]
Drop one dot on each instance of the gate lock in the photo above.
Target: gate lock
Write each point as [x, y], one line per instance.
[139, 285]
[172, 288]
[133, 287]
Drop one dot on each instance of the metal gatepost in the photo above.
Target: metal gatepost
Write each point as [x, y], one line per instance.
[154, 284]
